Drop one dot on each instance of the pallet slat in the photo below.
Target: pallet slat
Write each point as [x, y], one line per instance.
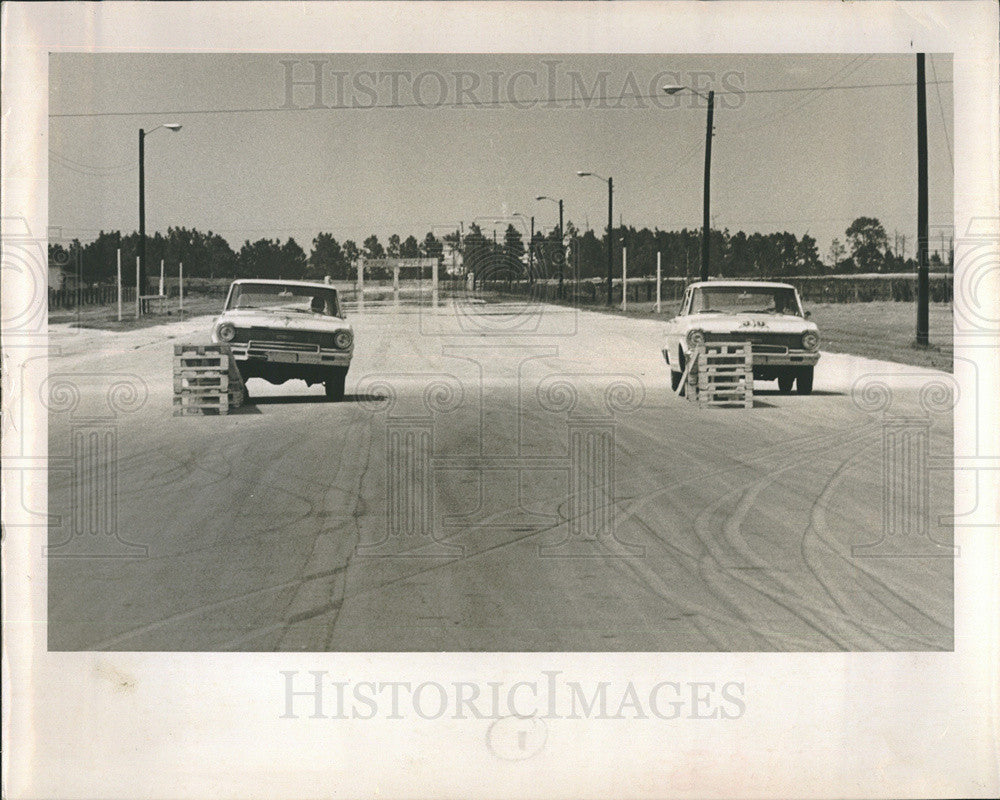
[201, 349]
[203, 382]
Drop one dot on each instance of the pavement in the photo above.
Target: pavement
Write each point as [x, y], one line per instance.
[500, 477]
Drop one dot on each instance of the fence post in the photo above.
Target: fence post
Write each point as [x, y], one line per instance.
[624, 277]
[659, 278]
[180, 286]
[119, 284]
[361, 284]
[138, 307]
[434, 284]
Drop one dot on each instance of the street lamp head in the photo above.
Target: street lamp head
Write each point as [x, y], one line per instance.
[583, 174]
[172, 126]
[542, 197]
[672, 89]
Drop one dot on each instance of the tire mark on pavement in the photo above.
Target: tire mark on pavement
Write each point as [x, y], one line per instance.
[321, 589]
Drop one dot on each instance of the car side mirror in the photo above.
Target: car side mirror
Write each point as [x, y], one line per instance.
[807, 314]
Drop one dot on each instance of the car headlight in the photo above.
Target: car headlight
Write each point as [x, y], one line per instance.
[695, 338]
[226, 332]
[810, 340]
[343, 340]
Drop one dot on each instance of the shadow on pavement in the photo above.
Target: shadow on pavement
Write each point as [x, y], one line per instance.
[311, 398]
[775, 393]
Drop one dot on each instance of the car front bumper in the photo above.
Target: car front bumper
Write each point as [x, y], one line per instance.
[793, 358]
[325, 358]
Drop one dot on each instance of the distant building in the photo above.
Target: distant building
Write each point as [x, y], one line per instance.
[62, 277]
[452, 260]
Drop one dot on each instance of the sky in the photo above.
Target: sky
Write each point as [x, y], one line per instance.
[359, 144]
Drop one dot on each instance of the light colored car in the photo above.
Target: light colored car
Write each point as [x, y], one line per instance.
[281, 330]
[768, 315]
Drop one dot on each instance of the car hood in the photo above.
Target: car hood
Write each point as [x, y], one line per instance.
[746, 323]
[259, 318]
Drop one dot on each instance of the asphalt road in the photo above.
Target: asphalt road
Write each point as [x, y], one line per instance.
[498, 478]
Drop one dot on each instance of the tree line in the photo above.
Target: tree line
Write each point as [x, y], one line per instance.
[865, 249]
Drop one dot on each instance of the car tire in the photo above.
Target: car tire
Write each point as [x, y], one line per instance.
[334, 385]
[675, 379]
[804, 381]
[785, 381]
[681, 362]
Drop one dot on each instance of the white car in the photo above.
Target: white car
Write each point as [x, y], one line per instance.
[768, 315]
[280, 330]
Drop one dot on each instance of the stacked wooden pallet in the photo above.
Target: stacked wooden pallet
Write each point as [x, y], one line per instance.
[722, 375]
[206, 379]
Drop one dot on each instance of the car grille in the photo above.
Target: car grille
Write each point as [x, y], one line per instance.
[762, 342]
[285, 347]
[297, 341]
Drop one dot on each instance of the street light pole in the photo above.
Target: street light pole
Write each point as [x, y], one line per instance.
[141, 282]
[706, 220]
[561, 259]
[708, 177]
[611, 191]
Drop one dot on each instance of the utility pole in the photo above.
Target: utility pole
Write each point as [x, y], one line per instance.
[923, 278]
[531, 253]
[562, 250]
[140, 281]
[708, 177]
[611, 222]
[706, 221]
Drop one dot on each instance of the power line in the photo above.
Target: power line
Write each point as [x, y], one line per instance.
[90, 169]
[481, 103]
[944, 123]
[841, 73]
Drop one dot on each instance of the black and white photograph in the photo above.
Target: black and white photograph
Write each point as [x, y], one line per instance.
[521, 384]
[380, 386]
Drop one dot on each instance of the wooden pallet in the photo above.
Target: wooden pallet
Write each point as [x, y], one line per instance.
[206, 379]
[722, 375]
[199, 381]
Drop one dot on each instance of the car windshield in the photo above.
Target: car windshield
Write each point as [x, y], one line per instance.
[745, 300]
[278, 297]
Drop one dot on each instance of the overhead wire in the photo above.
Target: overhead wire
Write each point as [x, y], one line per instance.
[944, 123]
[520, 102]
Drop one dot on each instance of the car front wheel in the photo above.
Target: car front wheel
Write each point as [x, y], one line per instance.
[334, 385]
[804, 381]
